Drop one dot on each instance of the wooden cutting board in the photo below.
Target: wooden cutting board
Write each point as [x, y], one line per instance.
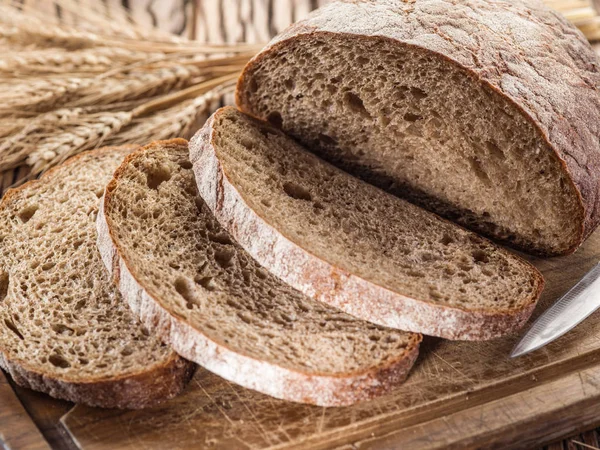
[460, 394]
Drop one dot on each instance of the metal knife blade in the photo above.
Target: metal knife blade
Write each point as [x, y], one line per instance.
[567, 312]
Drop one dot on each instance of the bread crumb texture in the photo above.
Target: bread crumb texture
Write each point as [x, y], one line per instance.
[191, 267]
[63, 325]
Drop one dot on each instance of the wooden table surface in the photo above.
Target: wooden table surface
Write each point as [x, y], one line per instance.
[460, 394]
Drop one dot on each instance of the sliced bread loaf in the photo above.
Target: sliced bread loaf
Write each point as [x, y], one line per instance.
[484, 111]
[350, 244]
[188, 281]
[64, 328]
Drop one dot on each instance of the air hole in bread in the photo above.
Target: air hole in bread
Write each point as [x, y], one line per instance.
[4, 282]
[253, 85]
[480, 256]
[27, 213]
[418, 93]
[479, 171]
[494, 150]
[185, 164]
[185, 287]
[157, 175]
[220, 238]
[275, 119]
[224, 257]
[80, 304]
[60, 328]
[355, 103]
[411, 117]
[59, 361]
[126, 351]
[266, 202]
[289, 84]
[296, 191]
[49, 265]
[415, 273]
[12, 327]
[446, 239]
[247, 142]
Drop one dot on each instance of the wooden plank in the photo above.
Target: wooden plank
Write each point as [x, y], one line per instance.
[46, 412]
[493, 425]
[473, 381]
[17, 430]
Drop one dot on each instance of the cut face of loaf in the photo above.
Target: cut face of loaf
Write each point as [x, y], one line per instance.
[64, 328]
[186, 278]
[350, 244]
[489, 116]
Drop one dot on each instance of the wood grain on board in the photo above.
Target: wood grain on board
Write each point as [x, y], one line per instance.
[17, 430]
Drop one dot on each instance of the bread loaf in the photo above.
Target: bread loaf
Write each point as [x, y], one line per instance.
[349, 244]
[484, 111]
[64, 328]
[189, 282]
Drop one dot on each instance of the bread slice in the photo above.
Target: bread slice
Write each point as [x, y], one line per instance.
[64, 328]
[204, 294]
[350, 244]
[488, 115]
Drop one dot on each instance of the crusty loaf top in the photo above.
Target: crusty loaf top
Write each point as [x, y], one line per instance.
[525, 51]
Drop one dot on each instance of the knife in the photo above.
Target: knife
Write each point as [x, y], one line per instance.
[568, 311]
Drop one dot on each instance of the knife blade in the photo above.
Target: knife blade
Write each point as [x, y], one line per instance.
[566, 313]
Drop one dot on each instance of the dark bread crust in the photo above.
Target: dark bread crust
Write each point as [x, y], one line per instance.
[334, 285]
[231, 363]
[543, 66]
[135, 391]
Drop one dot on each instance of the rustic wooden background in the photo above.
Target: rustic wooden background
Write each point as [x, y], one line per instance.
[216, 21]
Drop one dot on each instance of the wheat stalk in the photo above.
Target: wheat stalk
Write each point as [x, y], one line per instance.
[38, 95]
[136, 84]
[180, 120]
[17, 147]
[89, 132]
[144, 78]
[60, 61]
